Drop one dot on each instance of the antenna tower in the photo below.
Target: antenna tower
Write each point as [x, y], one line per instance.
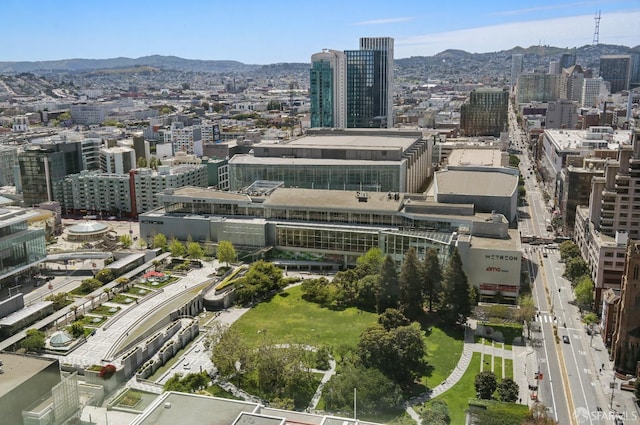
[596, 32]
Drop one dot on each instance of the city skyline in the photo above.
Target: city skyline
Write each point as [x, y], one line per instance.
[286, 31]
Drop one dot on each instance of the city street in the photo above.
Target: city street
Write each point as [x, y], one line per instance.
[576, 371]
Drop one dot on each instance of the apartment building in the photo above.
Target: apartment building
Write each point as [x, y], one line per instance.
[486, 112]
[612, 218]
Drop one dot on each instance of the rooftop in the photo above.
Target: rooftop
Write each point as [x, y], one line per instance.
[18, 368]
[476, 183]
[354, 141]
[250, 159]
[485, 157]
[319, 199]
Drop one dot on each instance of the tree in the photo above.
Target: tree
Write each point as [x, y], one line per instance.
[226, 252]
[369, 263]
[410, 284]
[194, 250]
[375, 392]
[190, 383]
[105, 275]
[538, 415]
[575, 269]
[76, 330]
[392, 318]
[89, 285]
[34, 341]
[59, 300]
[568, 249]
[160, 241]
[230, 353]
[387, 292]
[142, 244]
[142, 162]
[514, 161]
[584, 292]
[125, 241]
[436, 413]
[456, 302]
[398, 353]
[508, 390]
[526, 312]
[485, 384]
[176, 248]
[431, 277]
[636, 391]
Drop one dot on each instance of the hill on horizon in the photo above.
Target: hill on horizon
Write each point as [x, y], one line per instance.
[219, 66]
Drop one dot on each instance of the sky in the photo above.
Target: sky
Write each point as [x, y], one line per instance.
[263, 32]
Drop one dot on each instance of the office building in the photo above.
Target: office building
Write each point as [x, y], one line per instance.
[567, 60]
[117, 160]
[8, 164]
[616, 69]
[87, 114]
[27, 385]
[21, 247]
[626, 339]
[354, 88]
[594, 92]
[351, 159]
[554, 67]
[571, 83]
[486, 112]
[562, 114]
[383, 72]
[537, 87]
[517, 63]
[328, 90]
[612, 218]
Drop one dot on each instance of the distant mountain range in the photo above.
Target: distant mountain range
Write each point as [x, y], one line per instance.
[226, 66]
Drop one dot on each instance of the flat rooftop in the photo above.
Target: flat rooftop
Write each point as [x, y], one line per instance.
[470, 156]
[19, 368]
[319, 199]
[269, 160]
[476, 183]
[513, 243]
[578, 140]
[354, 141]
[204, 193]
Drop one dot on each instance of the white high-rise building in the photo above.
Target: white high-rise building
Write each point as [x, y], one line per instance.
[329, 89]
[594, 90]
[117, 160]
[517, 63]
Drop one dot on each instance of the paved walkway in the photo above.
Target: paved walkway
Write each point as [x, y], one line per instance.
[470, 347]
[107, 339]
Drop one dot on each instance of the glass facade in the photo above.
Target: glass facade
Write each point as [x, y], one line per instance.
[374, 177]
[20, 246]
[364, 89]
[321, 94]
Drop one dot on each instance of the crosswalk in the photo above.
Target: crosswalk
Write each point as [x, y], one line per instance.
[545, 318]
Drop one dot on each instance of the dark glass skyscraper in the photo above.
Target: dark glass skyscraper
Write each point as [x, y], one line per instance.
[353, 89]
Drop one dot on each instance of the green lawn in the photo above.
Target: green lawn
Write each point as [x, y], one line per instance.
[457, 397]
[486, 363]
[443, 353]
[497, 367]
[508, 365]
[287, 318]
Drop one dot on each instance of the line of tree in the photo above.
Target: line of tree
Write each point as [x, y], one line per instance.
[577, 271]
[375, 285]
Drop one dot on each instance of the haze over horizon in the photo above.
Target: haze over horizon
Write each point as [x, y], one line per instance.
[287, 31]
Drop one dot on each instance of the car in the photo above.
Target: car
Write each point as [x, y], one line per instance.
[544, 254]
[565, 339]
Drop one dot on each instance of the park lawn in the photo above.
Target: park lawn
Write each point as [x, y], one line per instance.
[497, 367]
[458, 396]
[508, 366]
[287, 318]
[487, 362]
[217, 391]
[443, 353]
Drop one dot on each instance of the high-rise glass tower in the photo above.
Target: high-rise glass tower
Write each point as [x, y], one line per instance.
[516, 68]
[327, 87]
[616, 69]
[353, 89]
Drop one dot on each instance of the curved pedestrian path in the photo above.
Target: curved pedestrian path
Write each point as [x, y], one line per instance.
[469, 347]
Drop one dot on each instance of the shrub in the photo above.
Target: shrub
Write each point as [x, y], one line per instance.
[107, 371]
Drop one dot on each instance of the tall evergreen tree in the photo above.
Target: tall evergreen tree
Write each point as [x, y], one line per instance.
[411, 299]
[456, 301]
[387, 292]
[431, 277]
